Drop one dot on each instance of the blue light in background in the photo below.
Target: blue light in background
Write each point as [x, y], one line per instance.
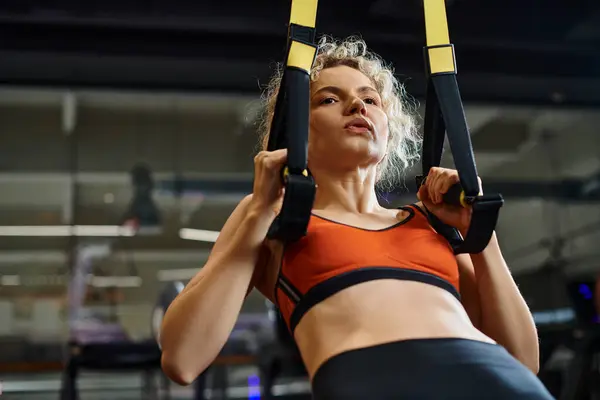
[585, 291]
[253, 387]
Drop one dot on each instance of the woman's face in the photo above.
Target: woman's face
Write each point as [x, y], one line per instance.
[348, 125]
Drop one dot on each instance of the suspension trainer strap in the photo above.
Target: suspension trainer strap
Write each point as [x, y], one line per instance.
[289, 128]
[444, 113]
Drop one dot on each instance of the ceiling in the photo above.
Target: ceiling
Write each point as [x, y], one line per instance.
[90, 90]
[549, 52]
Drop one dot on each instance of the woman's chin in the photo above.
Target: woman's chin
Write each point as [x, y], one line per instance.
[359, 147]
[349, 150]
[352, 157]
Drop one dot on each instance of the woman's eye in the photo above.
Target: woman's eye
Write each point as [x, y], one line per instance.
[370, 101]
[328, 100]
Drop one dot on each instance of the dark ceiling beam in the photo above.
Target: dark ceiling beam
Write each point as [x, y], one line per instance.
[263, 40]
[489, 20]
[144, 58]
[158, 34]
[139, 8]
[587, 29]
[60, 71]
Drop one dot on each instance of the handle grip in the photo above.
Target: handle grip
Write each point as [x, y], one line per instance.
[455, 196]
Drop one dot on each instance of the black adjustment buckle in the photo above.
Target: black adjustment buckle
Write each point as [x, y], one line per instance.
[292, 222]
[302, 34]
[427, 60]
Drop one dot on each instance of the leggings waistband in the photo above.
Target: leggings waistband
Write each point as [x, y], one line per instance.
[427, 369]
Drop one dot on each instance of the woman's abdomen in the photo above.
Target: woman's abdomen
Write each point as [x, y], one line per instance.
[378, 312]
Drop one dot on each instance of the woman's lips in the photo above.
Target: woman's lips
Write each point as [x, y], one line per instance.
[359, 125]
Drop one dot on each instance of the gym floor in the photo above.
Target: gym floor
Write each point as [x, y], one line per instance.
[131, 386]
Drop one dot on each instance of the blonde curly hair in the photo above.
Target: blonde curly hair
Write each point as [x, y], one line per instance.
[404, 142]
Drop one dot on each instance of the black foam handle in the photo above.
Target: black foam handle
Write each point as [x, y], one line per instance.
[453, 195]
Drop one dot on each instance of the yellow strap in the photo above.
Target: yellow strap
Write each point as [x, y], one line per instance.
[436, 23]
[301, 56]
[441, 59]
[304, 12]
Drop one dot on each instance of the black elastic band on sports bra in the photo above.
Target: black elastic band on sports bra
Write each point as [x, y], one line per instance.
[419, 209]
[449, 233]
[289, 289]
[333, 285]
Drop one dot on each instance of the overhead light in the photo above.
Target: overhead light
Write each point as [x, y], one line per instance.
[33, 280]
[199, 235]
[67, 230]
[53, 280]
[10, 280]
[109, 198]
[183, 274]
[116, 281]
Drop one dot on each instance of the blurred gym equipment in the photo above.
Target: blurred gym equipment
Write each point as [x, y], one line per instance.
[97, 344]
[279, 358]
[582, 375]
[166, 297]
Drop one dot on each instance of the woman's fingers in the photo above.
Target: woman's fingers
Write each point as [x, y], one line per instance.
[439, 181]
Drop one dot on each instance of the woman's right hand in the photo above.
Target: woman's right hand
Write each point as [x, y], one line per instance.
[267, 195]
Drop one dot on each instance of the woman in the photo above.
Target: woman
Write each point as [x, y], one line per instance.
[371, 295]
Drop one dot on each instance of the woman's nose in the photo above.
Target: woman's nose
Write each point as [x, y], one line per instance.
[357, 106]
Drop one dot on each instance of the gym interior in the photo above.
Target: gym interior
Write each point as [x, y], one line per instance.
[127, 138]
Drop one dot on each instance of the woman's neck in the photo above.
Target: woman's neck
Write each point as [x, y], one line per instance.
[347, 192]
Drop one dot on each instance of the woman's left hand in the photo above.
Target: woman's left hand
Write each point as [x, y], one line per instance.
[438, 181]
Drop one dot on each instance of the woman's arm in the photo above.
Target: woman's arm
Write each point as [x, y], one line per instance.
[199, 321]
[488, 291]
[494, 303]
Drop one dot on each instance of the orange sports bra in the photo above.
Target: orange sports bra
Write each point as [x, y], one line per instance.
[334, 256]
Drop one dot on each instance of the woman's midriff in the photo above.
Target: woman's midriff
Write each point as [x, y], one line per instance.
[377, 312]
